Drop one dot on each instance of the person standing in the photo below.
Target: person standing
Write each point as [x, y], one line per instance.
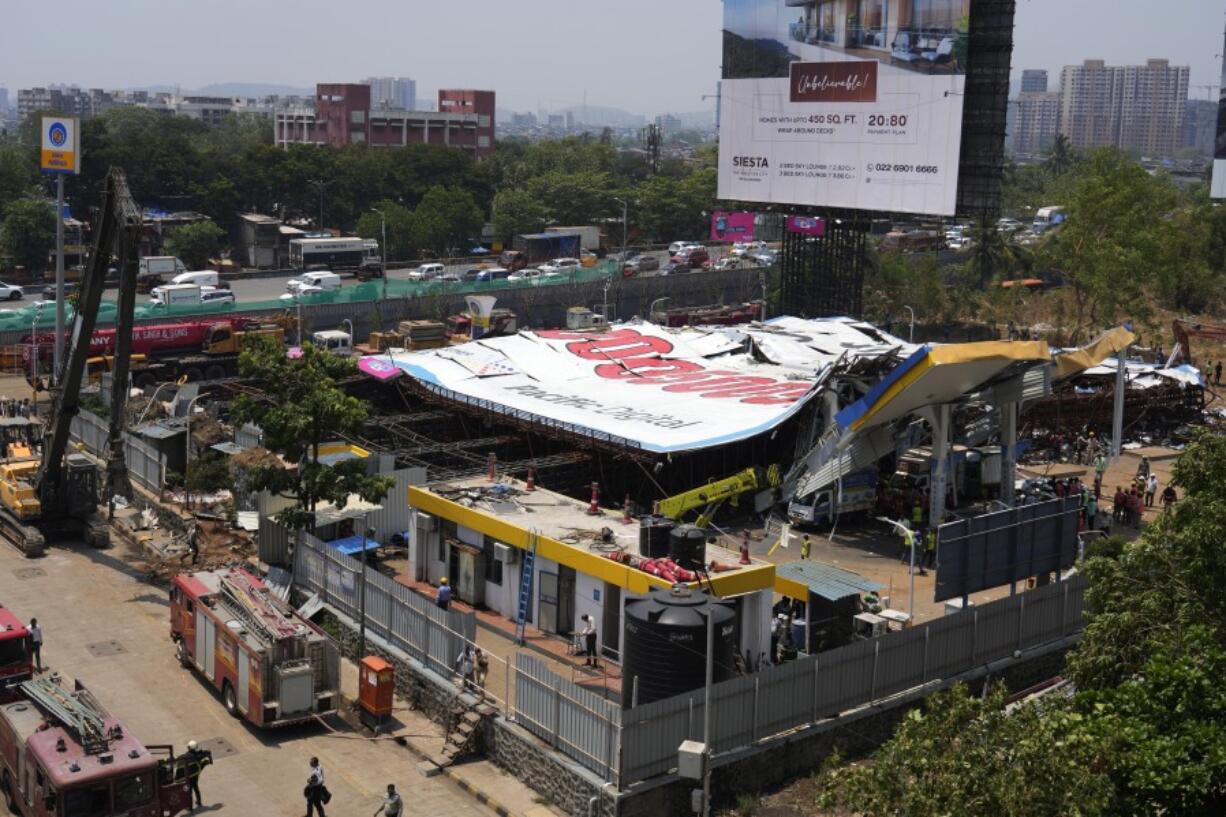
[805, 546]
[1100, 468]
[36, 643]
[1151, 488]
[464, 666]
[917, 516]
[930, 548]
[483, 666]
[193, 762]
[1117, 505]
[392, 805]
[1168, 496]
[443, 599]
[589, 640]
[1217, 373]
[1091, 511]
[316, 792]
[193, 543]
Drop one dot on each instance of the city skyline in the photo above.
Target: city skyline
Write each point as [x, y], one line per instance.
[1048, 35]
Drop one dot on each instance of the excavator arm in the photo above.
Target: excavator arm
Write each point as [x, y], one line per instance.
[118, 228]
[1184, 330]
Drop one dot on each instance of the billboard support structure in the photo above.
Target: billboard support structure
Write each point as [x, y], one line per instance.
[824, 275]
[61, 155]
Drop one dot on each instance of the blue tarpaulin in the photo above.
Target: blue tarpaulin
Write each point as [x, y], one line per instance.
[353, 544]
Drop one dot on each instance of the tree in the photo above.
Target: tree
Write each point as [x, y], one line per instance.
[304, 407]
[196, 243]
[446, 218]
[992, 254]
[1060, 158]
[401, 229]
[28, 233]
[18, 174]
[517, 212]
[207, 473]
[967, 755]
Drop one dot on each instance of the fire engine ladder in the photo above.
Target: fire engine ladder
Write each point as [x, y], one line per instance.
[256, 610]
[525, 585]
[78, 711]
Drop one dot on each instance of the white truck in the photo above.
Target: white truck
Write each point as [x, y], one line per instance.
[161, 265]
[589, 237]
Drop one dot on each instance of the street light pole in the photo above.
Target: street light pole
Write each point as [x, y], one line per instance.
[706, 709]
[59, 278]
[38, 313]
[911, 335]
[625, 219]
[382, 247]
[187, 454]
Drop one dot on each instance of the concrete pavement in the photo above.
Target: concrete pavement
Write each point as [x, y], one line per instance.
[108, 627]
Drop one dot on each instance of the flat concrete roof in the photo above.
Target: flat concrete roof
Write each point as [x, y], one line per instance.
[509, 513]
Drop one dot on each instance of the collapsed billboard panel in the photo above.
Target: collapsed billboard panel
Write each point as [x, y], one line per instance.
[843, 103]
[1007, 546]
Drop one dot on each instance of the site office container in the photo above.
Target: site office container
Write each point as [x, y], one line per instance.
[271, 666]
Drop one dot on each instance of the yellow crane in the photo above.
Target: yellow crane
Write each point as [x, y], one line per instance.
[712, 496]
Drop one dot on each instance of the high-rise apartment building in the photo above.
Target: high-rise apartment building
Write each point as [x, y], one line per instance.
[1200, 125]
[396, 93]
[1132, 107]
[1037, 123]
[4, 99]
[1034, 81]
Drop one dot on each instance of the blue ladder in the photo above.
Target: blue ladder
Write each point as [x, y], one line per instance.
[525, 587]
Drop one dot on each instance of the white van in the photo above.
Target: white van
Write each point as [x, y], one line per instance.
[426, 272]
[201, 278]
[334, 341]
[175, 295]
[322, 280]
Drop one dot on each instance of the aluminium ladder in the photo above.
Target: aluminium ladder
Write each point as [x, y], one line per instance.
[525, 586]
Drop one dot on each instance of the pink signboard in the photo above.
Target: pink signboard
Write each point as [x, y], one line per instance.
[379, 368]
[809, 225]
[727, 226]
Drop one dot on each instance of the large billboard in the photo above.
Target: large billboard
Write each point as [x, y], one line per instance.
[844, 103]
[1217, 187]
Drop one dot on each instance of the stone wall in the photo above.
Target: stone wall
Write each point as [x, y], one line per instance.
[557, 779]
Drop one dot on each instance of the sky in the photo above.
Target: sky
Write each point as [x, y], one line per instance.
[645, 56]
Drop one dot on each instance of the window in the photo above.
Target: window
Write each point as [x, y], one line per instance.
[134, 791]
[93, 801]
[14, 651]
[493, 567]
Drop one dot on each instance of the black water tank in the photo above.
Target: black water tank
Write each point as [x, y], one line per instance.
[653, 536]
[666, 644]
[687, 546]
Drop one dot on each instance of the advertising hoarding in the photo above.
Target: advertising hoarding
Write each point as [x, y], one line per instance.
[1217, 187]
[61, 145]
[726, 226]
[844, 103]
[807, 225]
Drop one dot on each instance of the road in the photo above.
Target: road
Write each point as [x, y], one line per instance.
[107, 627]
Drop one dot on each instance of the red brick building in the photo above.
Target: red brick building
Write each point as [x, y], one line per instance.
[342, 115]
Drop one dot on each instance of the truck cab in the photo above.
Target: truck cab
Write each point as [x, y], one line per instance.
[334, 342]
[16, 659]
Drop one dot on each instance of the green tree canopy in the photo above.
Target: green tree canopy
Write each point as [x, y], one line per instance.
[304, 407]
[27, 235]
[517, 212]
[196, 243]
[401, 230]
[446, 218]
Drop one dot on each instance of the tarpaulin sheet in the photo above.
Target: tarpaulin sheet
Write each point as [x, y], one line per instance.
[662, 390]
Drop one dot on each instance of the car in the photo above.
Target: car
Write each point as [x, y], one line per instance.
[216, 295]
[320, 279]
[11, 292]
[1008, 225]
[512, 260]
[426, 272]
[748, 248]
[302, 293]
[562, 265]
[478, 250]
[525, 274]
[494, 274]
[471, 275]
[692, 257]
[765, 258]
[674, 266]
[732, 263]
[450, 276]
[70, 289]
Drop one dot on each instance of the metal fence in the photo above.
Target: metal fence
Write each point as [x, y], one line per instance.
[754, 707]
[407, 621]
[575, 721]
[145, 463]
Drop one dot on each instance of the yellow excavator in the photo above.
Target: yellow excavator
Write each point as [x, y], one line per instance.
[55, 492]
[712, 496]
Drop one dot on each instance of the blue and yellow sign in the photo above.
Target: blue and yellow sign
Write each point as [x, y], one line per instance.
[61, 145]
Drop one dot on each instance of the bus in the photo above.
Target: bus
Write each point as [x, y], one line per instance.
[332, 253]
[1047, 217]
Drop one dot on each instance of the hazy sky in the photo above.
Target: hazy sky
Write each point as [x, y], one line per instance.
[646, 56]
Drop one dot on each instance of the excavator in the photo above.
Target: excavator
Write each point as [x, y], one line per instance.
[712, 496]
[56, 492]
[1183, 330]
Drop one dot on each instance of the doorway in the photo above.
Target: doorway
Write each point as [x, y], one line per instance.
[611, 624]
[557, 601]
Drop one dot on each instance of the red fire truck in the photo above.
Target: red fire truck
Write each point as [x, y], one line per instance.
[16, 658]
[272, 666]
[62, 755]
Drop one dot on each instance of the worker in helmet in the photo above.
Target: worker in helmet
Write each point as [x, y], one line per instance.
[194, 761]
[443, 599]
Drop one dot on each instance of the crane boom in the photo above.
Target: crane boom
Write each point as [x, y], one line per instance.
[1183, 330]
[714, 494]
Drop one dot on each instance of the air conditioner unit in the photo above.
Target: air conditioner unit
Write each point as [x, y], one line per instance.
[426, 522]
[505, 553]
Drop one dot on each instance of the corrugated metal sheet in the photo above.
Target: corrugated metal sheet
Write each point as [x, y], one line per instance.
[574, 720]
[829, 582]
[754, 707]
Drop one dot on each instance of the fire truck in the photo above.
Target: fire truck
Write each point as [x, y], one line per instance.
[272, 666]
[16, 659]
[62, 755]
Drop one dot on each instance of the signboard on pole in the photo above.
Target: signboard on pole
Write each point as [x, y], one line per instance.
[843, 103]
[61, 145]
[726, 226]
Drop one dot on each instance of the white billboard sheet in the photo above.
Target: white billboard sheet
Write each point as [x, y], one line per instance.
[1217, 185]
[843, 103]
[663, 390]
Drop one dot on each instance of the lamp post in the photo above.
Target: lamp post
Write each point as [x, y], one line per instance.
[187, 458]
[349, 323]
[38, 313]
[651, 310]
[319, 185]
[625, 218]
[382, 247]
[911, 334]
[367, 533]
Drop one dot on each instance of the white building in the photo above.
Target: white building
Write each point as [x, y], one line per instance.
[396, 93]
